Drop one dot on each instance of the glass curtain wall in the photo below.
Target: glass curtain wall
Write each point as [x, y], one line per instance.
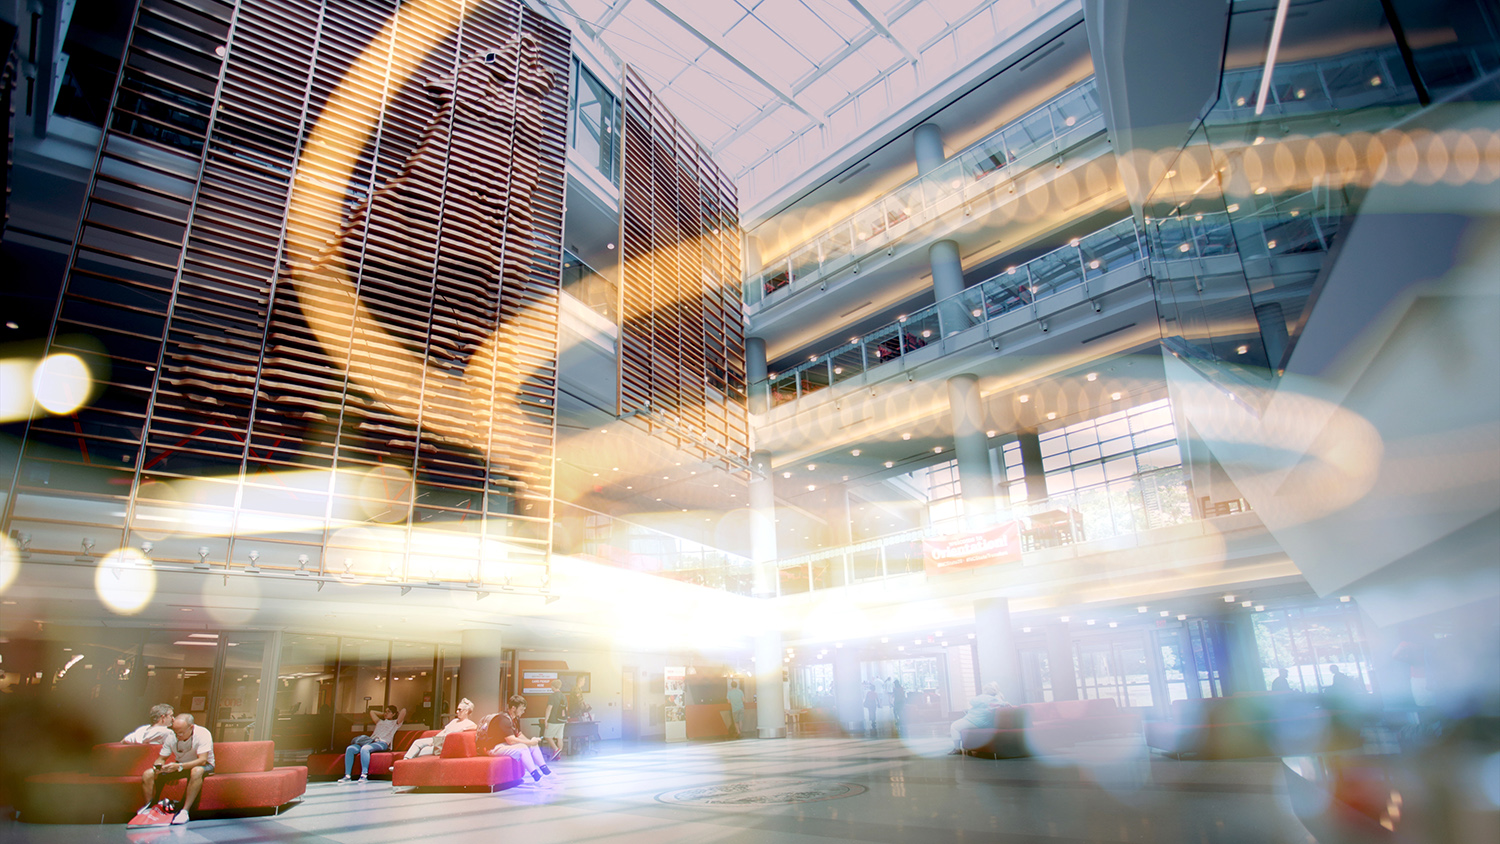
[413, 685]
[596, 122]
[1310, 642]
[304, 692]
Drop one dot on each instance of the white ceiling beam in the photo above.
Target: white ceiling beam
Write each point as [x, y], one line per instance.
[713, 44]
[884, 30]
[610, 15]
[590, 30]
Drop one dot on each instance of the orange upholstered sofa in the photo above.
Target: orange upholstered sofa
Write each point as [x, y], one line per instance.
[461, 765]
[331, 764]
[1040, 729]
[110, 791]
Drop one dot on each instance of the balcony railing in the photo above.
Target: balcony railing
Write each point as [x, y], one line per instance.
[1017, 288]
[1143, 502]
[1303, 223]
[1349, 82]
[583, 283]
[992, 164]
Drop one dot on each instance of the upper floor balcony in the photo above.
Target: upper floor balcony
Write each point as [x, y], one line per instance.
[1081, 271]
[933, 205]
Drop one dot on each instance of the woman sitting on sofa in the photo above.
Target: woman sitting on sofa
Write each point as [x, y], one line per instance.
[377, 741]
[460, 724]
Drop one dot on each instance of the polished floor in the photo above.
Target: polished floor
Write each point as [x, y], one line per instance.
[878, 790]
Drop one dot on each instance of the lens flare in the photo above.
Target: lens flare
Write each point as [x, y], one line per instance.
[10, 562]
[61, 384]
[125, 581]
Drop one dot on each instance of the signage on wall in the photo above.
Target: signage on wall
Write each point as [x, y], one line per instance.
[999, 544]
[537, 682]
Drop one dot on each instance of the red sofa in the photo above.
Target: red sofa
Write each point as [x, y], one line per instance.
[110, 791]
[331, 764]
[461, 765]
[1041, 729]
[1251, 725]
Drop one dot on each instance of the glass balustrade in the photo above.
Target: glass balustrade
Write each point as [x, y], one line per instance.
[1141, 502]
[989, 165]
[1018, 287]
[1344, 83]
[583, 283]
[1302, 223]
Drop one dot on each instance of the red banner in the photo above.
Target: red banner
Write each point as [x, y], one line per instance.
[999, 544]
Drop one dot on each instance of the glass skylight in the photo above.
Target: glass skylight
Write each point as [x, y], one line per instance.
[772, 86]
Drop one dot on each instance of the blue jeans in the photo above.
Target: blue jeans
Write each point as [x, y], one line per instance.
[363, 746]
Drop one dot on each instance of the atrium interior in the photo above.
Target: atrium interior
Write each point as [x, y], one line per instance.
[1105, 390]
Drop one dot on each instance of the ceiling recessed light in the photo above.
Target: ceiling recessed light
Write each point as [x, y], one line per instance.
[1240, 350]
[990, 433]
[937, 449]
[1051, 415]
[1024, 398]
[1228, 599]
[855, 452]
[889, 464]
[812, 466]
[1092, 376]
[11, 324]
[1114, 396]
[786, 474]
[906, 436]
[609, 246]
[1182, 617]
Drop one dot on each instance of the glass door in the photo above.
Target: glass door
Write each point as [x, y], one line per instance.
[237, 696]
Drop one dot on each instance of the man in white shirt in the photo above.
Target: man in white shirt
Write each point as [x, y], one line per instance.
[189, 753]
[461, 723]
[156, 730]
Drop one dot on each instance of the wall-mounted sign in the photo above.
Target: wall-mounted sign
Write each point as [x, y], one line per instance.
[537, 682]
[999, 544]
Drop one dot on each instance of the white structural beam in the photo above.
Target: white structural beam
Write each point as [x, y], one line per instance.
[711, 43]
[609, 17]
[885, 31]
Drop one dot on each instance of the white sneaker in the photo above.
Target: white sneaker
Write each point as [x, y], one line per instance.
[342, 780]
[182, 817]
[364, 778]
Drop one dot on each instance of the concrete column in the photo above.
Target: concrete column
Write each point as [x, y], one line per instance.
[1273, 333]
[770, 708]
[998, 660]
[1031, 463]
[947, 269]
[762, 525]
[755, 373]
[479, 666]
[1244, 672]
[928, 140]
[972, 448]
[1060, 662]
[848, 697]
[947, 282]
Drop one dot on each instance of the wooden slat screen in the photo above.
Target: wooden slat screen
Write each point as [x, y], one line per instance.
[376, 383]
[682, 339]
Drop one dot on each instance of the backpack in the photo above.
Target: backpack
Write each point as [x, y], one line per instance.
[482, 738]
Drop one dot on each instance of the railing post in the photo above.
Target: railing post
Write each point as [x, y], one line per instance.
[864, 356]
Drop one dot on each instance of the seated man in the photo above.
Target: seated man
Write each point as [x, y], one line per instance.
[981, 714]
[157, 729]
[377, 741]
[504, 732]
[191, 754]
[459, 724]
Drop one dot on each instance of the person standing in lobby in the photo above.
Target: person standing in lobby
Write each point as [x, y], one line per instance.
[736, 698]
[555, 719]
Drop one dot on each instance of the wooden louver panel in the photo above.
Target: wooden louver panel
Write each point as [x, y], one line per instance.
[408, 328]
[682, 343]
